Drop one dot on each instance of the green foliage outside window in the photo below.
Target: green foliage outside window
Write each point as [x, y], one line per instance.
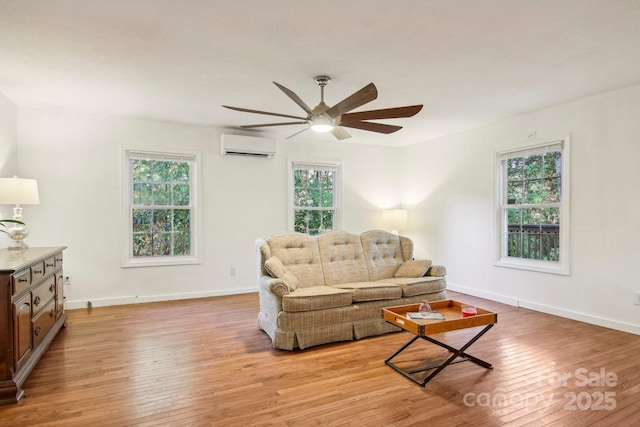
[313, 199]
[532, 211]
[162, 211]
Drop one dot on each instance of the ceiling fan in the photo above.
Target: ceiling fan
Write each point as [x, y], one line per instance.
[323, 118]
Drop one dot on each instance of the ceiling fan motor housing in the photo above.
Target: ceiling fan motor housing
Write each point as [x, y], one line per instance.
[322, 81]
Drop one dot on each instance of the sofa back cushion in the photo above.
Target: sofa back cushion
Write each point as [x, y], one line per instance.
[385, 252]
[342, 258]
[299, 254]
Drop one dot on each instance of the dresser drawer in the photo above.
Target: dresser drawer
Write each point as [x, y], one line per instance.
[59, 291]
[44, 293]
[43, 322]
[49, 265]
[21, 281]
[37, 272]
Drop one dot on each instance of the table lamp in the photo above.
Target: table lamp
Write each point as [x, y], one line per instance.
[18, 191]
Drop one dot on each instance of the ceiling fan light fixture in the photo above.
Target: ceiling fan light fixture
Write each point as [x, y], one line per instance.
[321, 124]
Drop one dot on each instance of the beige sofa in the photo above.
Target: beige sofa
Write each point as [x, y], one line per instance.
[332, 287]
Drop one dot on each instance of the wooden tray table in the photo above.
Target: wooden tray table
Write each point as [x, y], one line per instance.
[422, 328]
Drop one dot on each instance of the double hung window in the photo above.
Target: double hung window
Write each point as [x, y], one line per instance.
[533, 207]
[314, 198]
[161, 208]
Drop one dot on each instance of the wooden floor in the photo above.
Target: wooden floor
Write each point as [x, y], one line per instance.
[203, 362]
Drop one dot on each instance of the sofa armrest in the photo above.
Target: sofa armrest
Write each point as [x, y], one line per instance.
[271, 291]
[437, 271]
[273, 286]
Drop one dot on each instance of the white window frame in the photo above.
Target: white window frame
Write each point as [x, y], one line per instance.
[128, 260]
[536, 146]
[337, 191]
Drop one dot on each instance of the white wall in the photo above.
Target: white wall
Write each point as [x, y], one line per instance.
[76, 157]
[8, 152]
[8, 137]
[449, 189]
[447, 184]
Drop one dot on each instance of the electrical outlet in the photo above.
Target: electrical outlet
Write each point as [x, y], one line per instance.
[232, 271]
[637, 298]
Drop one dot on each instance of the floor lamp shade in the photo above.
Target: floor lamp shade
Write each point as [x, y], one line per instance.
[395, 219]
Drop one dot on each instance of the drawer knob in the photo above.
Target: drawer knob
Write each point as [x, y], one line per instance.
[36, 301]
[52, 288]
[37, 271]
[37, 331]
[49, 265]
[52, 313]
[23, 280]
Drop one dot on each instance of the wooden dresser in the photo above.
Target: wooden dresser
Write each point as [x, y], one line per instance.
[31, 313]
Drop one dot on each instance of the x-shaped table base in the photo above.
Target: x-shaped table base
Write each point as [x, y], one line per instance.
[458, 355]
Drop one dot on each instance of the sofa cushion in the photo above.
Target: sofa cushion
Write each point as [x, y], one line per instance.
[372, 291]
[299, 253]
[316, 298]
[275, 268]
[342, 258]
[384, 253]
[418, 285]
[417, 268]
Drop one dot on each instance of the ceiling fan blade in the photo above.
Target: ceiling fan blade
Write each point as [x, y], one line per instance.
[295, 98]
[297, 133]
[361, 97]
[387, 113]
[340, 133]
[272, 124]
[372, 127]
[246, 110]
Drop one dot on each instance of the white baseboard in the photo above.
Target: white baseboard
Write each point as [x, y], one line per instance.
[138, 299]
[582, 317]
[543, 308]
[482, 294]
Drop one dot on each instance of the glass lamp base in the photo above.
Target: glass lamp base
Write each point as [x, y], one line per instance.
[18, 233]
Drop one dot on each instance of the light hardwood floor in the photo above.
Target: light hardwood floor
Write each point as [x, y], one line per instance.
[203, 362]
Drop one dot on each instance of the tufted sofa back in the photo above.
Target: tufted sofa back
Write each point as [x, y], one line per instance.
[336, 257]
[342, 258]
[384, 252]
[299, 253]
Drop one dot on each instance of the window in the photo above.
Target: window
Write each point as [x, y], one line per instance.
[161, 208]
[533, 207]
[314, 195]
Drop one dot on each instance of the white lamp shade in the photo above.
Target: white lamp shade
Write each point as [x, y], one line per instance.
[395, 219]
[19, 191]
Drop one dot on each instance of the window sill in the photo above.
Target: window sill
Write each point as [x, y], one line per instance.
[532, 265]
[160, 261]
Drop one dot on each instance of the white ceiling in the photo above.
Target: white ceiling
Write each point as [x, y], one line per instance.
[470, 62]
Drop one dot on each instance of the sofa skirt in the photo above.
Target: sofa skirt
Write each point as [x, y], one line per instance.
[307, 329]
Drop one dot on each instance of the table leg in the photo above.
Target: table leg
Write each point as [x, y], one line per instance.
[457, 354]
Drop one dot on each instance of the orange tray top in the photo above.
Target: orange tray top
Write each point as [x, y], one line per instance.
[449, 308]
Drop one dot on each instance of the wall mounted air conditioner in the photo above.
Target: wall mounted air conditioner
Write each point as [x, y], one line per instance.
[247, 146]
